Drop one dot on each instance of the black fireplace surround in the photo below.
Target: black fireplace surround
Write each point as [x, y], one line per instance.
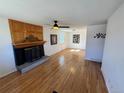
[28, 54]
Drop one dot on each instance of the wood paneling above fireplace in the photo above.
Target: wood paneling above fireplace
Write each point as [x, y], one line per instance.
[25, 34]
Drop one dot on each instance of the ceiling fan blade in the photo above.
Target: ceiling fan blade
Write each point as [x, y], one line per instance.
[64, 27]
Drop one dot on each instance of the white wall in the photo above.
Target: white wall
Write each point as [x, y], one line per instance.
[78, 30]
[52, 49]
[7, 63]
[113, 59]
[94, 46]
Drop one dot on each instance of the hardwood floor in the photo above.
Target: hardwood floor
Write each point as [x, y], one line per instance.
[64, 72]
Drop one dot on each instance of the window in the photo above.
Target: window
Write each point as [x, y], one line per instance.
[62, 38]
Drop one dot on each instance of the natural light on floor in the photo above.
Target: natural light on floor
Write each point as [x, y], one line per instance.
[74, 50]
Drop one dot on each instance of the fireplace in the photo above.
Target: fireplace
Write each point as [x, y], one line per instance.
[28, 54]
[28, 44]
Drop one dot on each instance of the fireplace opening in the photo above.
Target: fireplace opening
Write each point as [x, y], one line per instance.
[28, 54]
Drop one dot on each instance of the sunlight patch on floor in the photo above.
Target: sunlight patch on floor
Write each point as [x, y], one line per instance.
[61, 60]
[72, 70]
[75, 50]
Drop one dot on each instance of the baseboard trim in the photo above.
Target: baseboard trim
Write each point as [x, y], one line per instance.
[13, 70]
[99, 61]
[106, 81]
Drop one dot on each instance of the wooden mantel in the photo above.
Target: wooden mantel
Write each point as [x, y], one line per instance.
[28, 44]
[25, 34]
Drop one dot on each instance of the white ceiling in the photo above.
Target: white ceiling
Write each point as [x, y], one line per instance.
[68, 12]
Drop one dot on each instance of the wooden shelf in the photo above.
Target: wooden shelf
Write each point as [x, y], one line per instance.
[28, 44]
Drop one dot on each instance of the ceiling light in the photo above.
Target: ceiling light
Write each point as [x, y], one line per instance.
[55, 26]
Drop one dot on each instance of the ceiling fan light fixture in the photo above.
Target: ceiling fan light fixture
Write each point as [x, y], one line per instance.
[55, 26]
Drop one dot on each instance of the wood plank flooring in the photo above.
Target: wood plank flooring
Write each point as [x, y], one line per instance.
[64, 72]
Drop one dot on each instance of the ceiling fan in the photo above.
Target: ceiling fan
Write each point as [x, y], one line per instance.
[55, 26]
